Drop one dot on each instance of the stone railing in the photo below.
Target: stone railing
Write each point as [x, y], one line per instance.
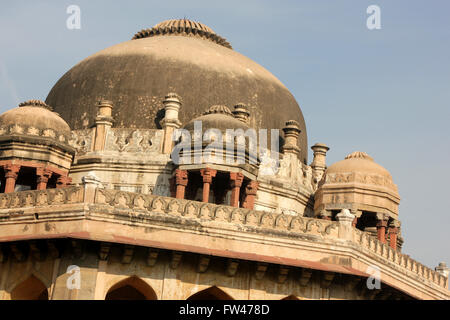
[143, 207]
[41, 198]
[140, 205]
[370, 243]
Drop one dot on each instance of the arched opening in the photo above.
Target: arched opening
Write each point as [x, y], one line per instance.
[291, 297]
[30, 289]
[131, 288]
[212, 293]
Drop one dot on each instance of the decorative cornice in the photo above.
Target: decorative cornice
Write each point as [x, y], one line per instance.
[182, 27]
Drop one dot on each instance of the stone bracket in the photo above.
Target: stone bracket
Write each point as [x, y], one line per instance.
[260, 271]
[127, 254]
[326, 279]
[152, 256]
[175, 259]
[203, 264]
[305, 276]
[232, 266]
[104, 250]
[282, 274]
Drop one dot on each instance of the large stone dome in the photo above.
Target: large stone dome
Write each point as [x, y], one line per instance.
[174, 56]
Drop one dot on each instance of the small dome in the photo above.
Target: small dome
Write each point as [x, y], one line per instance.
[359, 162]
[217, 117]
[34, 118]
[357, 183]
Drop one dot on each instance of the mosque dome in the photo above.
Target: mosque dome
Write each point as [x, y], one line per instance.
[179, 56]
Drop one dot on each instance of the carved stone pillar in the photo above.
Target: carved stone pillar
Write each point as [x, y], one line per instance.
[63, 181]
[318, 164]
[11, 174]
[43, 174]
[250, 195]
[181, 180]
[207, 175]
[393, 232]
[291, 134]
[103, 122]
[236, 180]
[241, 113]
[382, 222]
[172, 105]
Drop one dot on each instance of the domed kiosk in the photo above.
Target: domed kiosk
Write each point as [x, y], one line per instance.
[364, 187]
[34, 148]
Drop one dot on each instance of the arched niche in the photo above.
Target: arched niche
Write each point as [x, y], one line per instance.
[132, 288]
[212, 293]
[30, 289]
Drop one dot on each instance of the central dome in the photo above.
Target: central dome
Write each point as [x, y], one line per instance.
[179, 56]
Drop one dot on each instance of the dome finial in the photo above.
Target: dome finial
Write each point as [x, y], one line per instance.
[182, 27]
[35, 103]
[359, 155]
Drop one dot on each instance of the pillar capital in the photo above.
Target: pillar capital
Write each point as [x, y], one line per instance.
[11, 170]
[236, 179]
[208, 174]
[181, 177]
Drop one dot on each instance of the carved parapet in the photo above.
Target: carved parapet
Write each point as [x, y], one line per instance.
[41, 198]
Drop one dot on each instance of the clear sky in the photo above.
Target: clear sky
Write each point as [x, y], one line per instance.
[385, 92]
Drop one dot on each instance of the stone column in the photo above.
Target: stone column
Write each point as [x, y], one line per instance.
[250, 195]
[291, 134]
[181, 181]
[172, 105]
[394, 226]
[345, 219]
[103, 122]
[241, 113]
[318, 164]
[382, 222]
[63, 181]
[207, 175]
[236, 180]
[43, 174]
[11, 174]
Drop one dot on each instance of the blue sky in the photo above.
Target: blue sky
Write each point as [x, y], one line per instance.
[385, 92]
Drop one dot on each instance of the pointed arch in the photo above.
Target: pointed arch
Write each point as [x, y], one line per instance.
[212, 293]
[291, 297]
[30, 289]
[131, 288]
